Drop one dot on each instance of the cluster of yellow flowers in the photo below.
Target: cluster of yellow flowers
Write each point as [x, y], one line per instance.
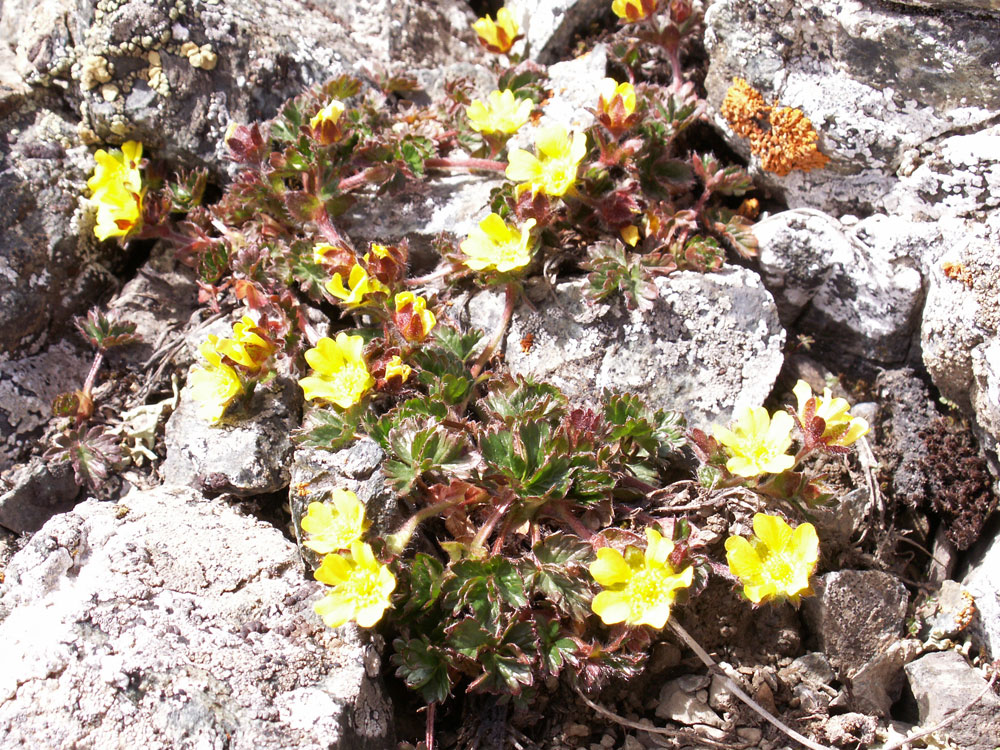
[758, 442]
[782, 137]
[217, 384]
[360, 586]
[117, 190]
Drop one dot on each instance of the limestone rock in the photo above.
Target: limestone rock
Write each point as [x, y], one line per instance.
[855, 615]
[170, 621]
[878, 83]
[549, 25]
[855, 290]
[943, 683]
[983, 582]
[32, 493]
[712, 342]
[247, 453]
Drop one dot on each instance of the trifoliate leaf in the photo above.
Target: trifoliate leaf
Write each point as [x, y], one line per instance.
[423, 667]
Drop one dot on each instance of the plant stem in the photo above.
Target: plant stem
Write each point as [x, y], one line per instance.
[508, 313]
[429, 727]
[332, 234]
[479, 540]
[88, 384]
[397, 542]
[485, 164]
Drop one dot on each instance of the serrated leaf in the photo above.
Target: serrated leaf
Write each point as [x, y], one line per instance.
[426, 578]
[417, 449]
[529, 458]
[503, 672]
[423, 667]
[459, 345]
[329, 429]
[419, 408]
[467, 637]
[519, 399]
[560, 548]
[555, 650]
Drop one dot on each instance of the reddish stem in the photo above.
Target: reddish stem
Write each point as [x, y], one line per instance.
[88, 384]
[487, 164]
[508, 313]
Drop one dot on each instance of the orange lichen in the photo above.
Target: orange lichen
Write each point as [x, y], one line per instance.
[958, 272]
[783, 138]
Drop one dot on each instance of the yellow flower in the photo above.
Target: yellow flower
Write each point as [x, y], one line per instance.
[841, 428]
[214, 387]
[497, 245]
[335, 525]
[630, 234]
[610, 91]
[639, 587]
[501, 113]
[757, 442]
[341, 375]
[247, 348]
[329, 114]
[321, 250]
[554, 171]
[776, 561]
[116, 188]
[395, 368]
[359, 283]
[633, 10]
[380, 251]
[412, 317]
[361, 587]
[497, 36]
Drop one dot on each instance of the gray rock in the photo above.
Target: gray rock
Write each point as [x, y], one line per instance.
[34, 492]
[357, 468]
[856, 291]
[906, 410]
[855, 615]
[248, 453]
[27, 388]
[170, 621]
[879, 683]
[850, 730]
[549, 25]
[48, 269]
[812, 667]
[982, 581]
[712, 342]
[860, 72]
[943, 683]
[174, 75]
[679, 702]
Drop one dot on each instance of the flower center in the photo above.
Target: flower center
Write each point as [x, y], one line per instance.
[646, 591]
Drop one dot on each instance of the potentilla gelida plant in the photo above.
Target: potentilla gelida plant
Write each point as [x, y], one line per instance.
[542, 542]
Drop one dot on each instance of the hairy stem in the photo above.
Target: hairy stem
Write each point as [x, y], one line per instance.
[88, 384]
[501, 331]
[486, 164]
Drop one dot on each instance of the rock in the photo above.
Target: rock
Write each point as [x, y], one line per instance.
[878, 684]
[943, 683]
[948, 614]
[28, 387]
[907, 410]
[678, 702]
[842, 63]
[982, 581]
[357, 468]
[46, 263]
[247, 453]
[175, 75]
[961, 320]
[711, 343]
[170, 621]
[855, 615]
[812, 668]
[549, 25]
[850, 730]
[854, 290]
[34, 492]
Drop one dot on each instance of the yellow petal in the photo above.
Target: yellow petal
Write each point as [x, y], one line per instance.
[611, 607]
[772, 531]
[610, 568]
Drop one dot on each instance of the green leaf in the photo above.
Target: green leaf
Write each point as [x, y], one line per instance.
[417, 449]
[520, 399]
[483, 586]
[615, 270]
[420, 408]
[509, 583]
[468, 637]
[426, 577]
[559, 573]
[503, 672]
[423, 667]
[559, 548]
[458, 345]
[529, 458]
[555, 651]
[329, 429]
